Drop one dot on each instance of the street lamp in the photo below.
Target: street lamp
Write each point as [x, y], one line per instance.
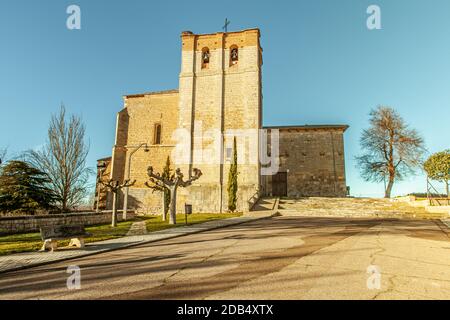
[125, 199]
[101, 167]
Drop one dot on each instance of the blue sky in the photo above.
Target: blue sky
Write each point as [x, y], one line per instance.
[321, 65]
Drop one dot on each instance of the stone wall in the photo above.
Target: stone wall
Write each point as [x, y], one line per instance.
[103, 175]
[22, 224]
[313, 157]
[430, 205]
[135, 126]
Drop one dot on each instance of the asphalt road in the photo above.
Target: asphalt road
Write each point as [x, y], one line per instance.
[278, 258]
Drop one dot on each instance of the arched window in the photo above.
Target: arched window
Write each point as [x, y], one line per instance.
[205, 57]
[157, 137]
[234, 55]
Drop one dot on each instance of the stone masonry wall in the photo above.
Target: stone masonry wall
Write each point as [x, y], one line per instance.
[143, 112]
[221, 97]
[314, 162]
[12, 225]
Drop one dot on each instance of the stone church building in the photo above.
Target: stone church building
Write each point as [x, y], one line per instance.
[219, 99]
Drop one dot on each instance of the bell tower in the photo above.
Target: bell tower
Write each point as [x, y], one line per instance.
[219, 99]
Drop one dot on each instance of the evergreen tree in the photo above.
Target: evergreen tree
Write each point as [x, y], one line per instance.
[232, 180]
[24, 188]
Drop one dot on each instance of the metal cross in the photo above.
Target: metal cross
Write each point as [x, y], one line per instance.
[225, 27]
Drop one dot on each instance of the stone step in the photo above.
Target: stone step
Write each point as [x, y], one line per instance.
[137, 229]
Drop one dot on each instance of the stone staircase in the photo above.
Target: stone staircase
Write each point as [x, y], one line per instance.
[137, 229]
[264, 204]
[353, 208]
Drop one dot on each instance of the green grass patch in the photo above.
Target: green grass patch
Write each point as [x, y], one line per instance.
[155, 223]
[27, 242]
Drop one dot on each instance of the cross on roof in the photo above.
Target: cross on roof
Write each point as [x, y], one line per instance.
[225, 27]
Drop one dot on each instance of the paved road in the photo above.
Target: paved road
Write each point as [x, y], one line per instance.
[279, 258]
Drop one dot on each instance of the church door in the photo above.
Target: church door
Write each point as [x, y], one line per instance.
[279, 184]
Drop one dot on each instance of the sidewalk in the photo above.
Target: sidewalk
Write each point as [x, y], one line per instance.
[31, 259]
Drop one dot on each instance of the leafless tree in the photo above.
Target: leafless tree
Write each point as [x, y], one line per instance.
[391, 149]
[3, 156]
[63, 158]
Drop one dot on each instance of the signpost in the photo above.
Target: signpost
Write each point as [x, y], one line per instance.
[187, 210]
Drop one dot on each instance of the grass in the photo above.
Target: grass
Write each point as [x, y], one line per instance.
[28, 242]
[155, 223]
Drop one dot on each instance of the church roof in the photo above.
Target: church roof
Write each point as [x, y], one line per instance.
[310, 127]
[190, 33]
[140, 95]
[105, 159]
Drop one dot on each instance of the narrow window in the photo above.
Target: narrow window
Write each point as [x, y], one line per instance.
[234, 55]
[157, 138]
[205, 58]
[229, 153]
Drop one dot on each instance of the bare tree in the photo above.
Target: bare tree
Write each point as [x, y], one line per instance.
[391, 149]
[3, 156]
[63, 158]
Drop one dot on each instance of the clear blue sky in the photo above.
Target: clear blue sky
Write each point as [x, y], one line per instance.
[321, 64]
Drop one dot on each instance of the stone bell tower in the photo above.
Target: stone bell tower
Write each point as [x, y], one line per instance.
[219, 99]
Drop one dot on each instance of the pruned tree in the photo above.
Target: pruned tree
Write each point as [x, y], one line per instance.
[24, 188]
[172, 184]
[158, 185]
[437, 168]
[114, 187]
[392, 150]
[232, 181]
[63, 159]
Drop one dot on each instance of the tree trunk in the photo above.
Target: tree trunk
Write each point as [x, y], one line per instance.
[114, 211]
[164, 207]
[125, 204]
[63, 205]
[387, 194]
[448, 194]
[446, 189]
[173, 205]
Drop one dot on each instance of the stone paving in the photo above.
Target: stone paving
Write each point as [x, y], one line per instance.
[285, 257]
[328, 207]
[29, 259]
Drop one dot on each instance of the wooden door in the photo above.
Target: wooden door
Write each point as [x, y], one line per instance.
[279, 184]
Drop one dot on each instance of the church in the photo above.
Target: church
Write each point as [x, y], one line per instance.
[219, 100]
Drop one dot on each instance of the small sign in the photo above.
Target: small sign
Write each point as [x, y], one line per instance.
[188, 208]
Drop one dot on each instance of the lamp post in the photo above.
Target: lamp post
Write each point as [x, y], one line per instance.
[101, 167]
[125, 198]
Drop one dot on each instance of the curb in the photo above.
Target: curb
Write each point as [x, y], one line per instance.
[43, 263]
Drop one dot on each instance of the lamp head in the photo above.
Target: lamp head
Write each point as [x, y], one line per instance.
[101, 165]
